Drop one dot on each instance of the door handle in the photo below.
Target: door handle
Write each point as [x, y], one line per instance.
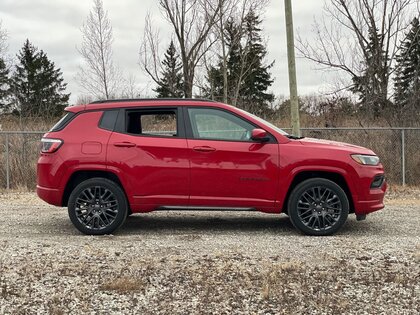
[124, 144]
[204, 149]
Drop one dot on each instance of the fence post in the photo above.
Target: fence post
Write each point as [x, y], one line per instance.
[7, 162]
[403, 156]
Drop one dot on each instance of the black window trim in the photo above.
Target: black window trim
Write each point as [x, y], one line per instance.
[121, 125]
[190, 135]
[102, 117]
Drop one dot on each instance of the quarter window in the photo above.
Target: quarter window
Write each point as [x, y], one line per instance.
[63, 122]
[217, 124]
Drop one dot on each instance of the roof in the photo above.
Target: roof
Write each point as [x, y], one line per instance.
[119, 103]
[129, 100]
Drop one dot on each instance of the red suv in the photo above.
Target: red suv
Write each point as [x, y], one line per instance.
[109, 159]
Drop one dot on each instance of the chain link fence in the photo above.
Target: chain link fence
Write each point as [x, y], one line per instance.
[398, 148]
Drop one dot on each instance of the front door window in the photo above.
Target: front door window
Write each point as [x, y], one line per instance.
[214, 124]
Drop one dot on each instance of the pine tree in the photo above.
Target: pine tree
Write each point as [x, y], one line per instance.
[372, 85]
[214, 89]
[37, 85]
[407, 78]
[4, 87]
[171, 84]
[256, 83]
[248, 75]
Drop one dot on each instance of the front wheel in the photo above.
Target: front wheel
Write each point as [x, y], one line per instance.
[97, 206]
[318, 206]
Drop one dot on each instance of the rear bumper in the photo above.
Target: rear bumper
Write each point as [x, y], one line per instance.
[49, 195]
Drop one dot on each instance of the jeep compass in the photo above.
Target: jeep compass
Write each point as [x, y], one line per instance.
[109, 159]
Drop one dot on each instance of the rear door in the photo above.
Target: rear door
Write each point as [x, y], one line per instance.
[150, 151]
[227, 167]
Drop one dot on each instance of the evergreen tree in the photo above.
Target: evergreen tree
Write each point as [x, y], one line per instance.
[407, 78]
[372, 85]
[171, 84]
[214, 90]
[258, 79]
[37, 85]
[248, 75]
[4, 87]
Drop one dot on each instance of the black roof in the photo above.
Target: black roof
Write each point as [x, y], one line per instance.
[122, 100]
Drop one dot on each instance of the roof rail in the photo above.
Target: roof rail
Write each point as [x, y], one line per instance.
[150, 99]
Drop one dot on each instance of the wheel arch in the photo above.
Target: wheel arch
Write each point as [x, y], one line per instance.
[335, 177]
[81, 175]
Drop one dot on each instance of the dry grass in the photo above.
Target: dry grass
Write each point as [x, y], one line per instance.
[23, 154]
[55, 306]
[123, 285]
[304, 287]
[277, 276]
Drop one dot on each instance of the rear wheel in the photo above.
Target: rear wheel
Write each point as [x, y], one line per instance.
[318, 206]
[97, 206]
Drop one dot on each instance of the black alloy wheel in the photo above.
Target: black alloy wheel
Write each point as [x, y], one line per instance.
[318, 207]
[97, 206]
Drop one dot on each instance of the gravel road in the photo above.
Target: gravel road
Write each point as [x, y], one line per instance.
[208, 263]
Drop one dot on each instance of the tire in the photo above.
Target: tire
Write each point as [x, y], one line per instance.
[97, 206]
[318, 207]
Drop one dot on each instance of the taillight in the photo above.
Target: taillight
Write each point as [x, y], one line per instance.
[49, 145]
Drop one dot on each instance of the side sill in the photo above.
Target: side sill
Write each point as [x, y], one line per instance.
[200, 208]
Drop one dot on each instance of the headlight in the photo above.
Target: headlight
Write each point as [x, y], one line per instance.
[365, 159]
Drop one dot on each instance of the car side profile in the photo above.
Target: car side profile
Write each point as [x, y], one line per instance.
[109, 159]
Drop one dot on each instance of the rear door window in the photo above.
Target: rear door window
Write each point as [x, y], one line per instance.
[154, 123]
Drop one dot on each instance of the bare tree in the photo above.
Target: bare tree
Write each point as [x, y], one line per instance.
[226, 12]
[150, 51]
[192, 22]
[130, 88]
[99, 75]
[359, 38]
[84, 99]
[3, 40]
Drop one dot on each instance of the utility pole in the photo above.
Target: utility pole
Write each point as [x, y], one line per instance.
[294, 104]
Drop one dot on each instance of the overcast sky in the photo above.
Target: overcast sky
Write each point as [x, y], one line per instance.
[54, 26]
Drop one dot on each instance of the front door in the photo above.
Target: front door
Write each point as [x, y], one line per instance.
[228, 169]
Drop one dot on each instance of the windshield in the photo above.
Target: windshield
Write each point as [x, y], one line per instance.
[265, 122]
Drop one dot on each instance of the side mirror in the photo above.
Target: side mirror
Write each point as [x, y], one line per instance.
[259, 135]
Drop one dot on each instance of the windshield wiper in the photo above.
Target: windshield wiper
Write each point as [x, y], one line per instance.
[294, 137]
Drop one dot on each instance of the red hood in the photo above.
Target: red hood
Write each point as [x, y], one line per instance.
[339, 145]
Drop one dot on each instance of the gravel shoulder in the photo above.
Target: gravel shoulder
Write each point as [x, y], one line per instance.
[208, 263]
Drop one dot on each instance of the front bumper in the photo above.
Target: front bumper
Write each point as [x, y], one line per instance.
[372, 199]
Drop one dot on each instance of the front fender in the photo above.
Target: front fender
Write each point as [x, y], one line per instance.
[288, 175]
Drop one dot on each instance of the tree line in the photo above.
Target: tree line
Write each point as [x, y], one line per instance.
[218, 51]
[373, 46]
